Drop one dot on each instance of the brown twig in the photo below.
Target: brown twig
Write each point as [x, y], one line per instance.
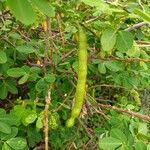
[61, 105]
[131, 113]
[90, 30]
[91, 20]
[39, 147]
[135, 26]
[67, 54]
[142, 43]
[48, 36]
[9, 42]
[22, 34]
[47, 40]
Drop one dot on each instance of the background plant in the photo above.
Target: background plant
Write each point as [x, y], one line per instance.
[38, 72]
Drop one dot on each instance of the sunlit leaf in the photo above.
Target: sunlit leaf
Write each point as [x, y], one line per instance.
[22, 10]
[109, 143]
[16, 72]
[124, 41]
[142, 15]
[17, 143]
[44, 7]
[25, 49]
[5, 128]
[108, 40]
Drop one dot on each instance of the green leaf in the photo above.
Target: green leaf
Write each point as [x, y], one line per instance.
[142, 15]
[39, 123]
[144, 65]
[15, 36]
[25, 49]
[14, 132]
[99, 4]
[11, 86]
[5, 147]
[3, 91]
[109, 143]
[134, 51]
[2, 111]
[108, 40]
[102, 68]
[148, 147]
[3, 57]
[23, 79]
[125, 147]
[22, 10]
[9, 119]
[17, 143]
[50, 78]
[118, 134]
[44, 7]
[16, 72]
[114, 65]
[144, 54]
[34, 136]
[41, 85]
[140, 146]
[30, 118]
[5, 128]
[124, 41]
[142, 128]
[92, 3]
[18, 110]
[53, 118]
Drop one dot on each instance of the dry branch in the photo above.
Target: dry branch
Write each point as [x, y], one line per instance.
[46, 128]
[125, 59]
[131, 113]
[135, 26]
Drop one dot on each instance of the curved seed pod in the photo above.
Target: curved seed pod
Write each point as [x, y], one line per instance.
[82, 73]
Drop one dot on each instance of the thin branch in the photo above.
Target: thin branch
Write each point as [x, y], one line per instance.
[135, 26]
[62, 104]
[46, 110]
[67, 54]
[9, 42]
[91, 20]
[131, 113]
[126, 59]
[35, 65]
[48, 36]
[2, 78]
[140, 3]
[60, 28]
[26, 38]
[143, 42]
[47, 39]
[107, 85]
[89, 30]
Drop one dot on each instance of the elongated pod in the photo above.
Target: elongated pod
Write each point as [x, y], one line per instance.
[81, 82]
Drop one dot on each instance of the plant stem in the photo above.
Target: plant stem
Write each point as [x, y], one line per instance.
[131, 113]
[46, 128]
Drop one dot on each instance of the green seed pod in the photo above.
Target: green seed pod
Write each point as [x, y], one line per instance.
[75, 112]
[82, 73]
[70, 122]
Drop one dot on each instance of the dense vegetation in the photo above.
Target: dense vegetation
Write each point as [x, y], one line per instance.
[58, 57]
